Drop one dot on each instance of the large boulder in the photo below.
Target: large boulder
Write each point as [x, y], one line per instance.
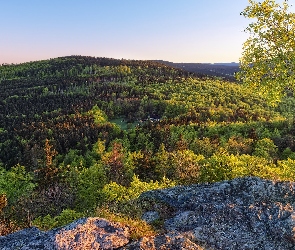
[82, 234]
[173, 240]
[244, 213]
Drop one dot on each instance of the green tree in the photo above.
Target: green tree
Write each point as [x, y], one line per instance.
[265, 148]
[267, 63]
[15, 183]
[99, 116]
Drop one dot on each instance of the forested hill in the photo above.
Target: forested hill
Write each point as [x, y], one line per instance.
[43, 99]
[76, 131]
[50, 99]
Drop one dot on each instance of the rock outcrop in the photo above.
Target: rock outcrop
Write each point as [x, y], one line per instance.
[245, 213]
[82, 234]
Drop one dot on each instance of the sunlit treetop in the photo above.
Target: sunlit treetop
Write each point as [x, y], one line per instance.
[268, 59]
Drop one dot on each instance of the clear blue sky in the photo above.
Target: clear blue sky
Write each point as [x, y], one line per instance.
[173, 30]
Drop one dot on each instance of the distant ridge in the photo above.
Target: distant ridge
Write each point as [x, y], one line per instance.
[223, 70]
[234, 64]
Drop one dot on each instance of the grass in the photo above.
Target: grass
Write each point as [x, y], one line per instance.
[122, 123]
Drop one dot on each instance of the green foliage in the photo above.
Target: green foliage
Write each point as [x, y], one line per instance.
[288, 153]
[204, 146]
[119, 193]
[267, 60]
[223, 166]
[177, 130]
[99, 116]
[74, 158]
[186, 166]
[162, 163]
[182, 166]
[265, 148]
[47, 222]
[121, 204]
[286, 170]
[89, 184]
[15, 183]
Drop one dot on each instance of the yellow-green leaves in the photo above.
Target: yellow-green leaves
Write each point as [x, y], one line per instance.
[115, 192]
[99, 116]
[267, 62]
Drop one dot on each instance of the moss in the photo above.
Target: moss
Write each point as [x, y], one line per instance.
[137, 227]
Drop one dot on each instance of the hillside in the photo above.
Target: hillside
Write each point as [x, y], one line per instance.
[84, 136]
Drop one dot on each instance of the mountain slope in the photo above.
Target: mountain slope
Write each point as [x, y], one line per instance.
[84, 136]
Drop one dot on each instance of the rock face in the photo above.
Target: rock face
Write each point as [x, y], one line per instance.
[85, 233]
[246, 213]
[174, 240]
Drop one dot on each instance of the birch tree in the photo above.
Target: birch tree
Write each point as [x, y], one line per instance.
[267, 64]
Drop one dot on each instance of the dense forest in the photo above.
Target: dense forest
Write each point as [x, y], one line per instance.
[83, 136]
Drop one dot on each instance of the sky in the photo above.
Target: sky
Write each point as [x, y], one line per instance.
[206, 31]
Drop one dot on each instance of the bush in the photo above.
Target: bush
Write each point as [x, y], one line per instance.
[119, 193]
[286, 170]
[186, 166]
[221, 167]
[124, 200]
[15, 183]
[47, 222]
[239, 145]
[288, 153]
[90, 182]
[265, 148]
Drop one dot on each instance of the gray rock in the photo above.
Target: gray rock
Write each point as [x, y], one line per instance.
[175, 241]
[84, 233]
[150, 216]
[245, 213]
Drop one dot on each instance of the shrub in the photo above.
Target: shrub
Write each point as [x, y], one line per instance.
[221, 167]
[285, 170]
[123, 200]
[47, 222]
[15, 183]
[89, 184]
[186, 166]
[288, 153]
[239, 145]
[119, 193]
[265, 148]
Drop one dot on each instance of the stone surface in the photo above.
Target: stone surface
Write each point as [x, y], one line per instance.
[246, 213]
[150, 216]
[175, 241]
[84, 233]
